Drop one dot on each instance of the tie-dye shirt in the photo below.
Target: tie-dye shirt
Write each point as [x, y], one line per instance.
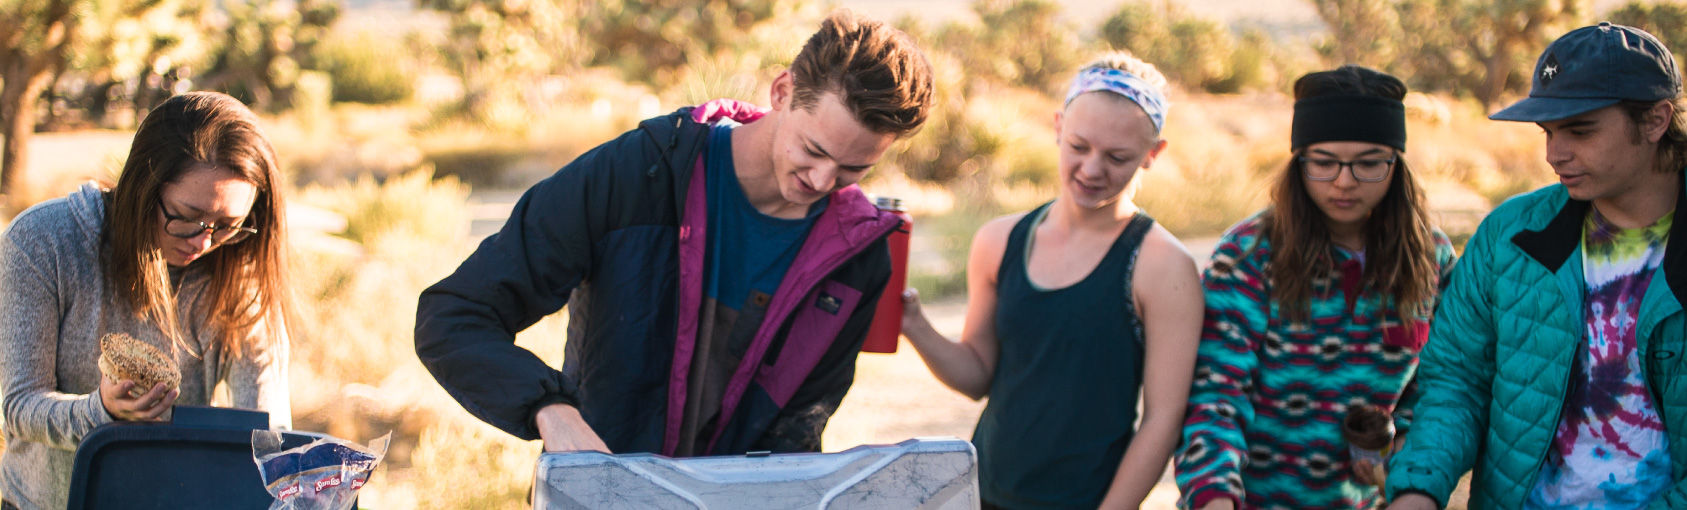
[1611, 451]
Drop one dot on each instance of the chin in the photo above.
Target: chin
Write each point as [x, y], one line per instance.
[800, 198]
[1580, 193]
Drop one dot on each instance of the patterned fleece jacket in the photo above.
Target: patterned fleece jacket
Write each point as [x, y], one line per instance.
[1265, 410]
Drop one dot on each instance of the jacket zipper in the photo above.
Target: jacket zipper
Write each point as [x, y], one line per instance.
[1558, 418]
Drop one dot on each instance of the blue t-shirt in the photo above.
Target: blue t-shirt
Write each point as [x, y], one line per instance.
[748, 250]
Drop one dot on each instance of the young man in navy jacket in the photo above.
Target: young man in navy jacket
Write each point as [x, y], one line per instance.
[720, 267]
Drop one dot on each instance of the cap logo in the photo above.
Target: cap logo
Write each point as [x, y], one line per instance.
[1549, 70]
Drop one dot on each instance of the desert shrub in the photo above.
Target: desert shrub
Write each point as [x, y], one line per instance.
[1195, 52]
[365, 69]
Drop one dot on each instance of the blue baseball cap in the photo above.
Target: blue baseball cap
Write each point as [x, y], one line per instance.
[1595, 67]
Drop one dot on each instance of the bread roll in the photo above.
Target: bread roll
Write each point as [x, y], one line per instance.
[124, 357]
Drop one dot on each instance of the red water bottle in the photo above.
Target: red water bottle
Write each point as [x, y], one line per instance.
[887, 320]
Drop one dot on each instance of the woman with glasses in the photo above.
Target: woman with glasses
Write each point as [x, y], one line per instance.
[1072, 309]
[1314, 306]
[185, 254]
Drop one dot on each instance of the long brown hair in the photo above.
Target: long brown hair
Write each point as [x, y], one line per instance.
[248, 284]
[1672, 148]
[1399, 237]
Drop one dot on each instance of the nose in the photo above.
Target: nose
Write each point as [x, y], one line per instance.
[1345, 178]
[1557, 152]
[202, 241]
[1090, 168]
[823, 177]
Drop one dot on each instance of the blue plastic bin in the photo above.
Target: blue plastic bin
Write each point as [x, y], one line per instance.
[201, 460]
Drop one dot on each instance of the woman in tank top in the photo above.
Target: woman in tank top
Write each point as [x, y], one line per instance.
[1314, 306]
[1071, 307]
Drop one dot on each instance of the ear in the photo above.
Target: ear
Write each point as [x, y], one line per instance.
[780, 94]
[1058, 115]
[1154, 154]
[1658, 121]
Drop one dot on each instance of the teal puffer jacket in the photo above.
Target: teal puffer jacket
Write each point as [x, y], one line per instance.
[1498, 363]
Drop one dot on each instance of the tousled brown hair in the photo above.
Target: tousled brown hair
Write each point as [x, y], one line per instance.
[1672, 148]
[875, 69]
[248, 286]
[1399, 236]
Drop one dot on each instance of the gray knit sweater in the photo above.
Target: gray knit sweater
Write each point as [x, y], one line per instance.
[54, 307]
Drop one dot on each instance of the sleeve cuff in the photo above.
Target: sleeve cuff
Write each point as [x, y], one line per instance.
[94, 412]
[543, 402]
[1209, 495]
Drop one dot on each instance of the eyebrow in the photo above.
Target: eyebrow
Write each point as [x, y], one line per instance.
[1360, 155]
[197, 214]
[1573, 124]
[815, 146]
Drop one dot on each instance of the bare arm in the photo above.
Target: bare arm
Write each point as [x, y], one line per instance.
[1170, 302]
[563, 430]
[968, 365]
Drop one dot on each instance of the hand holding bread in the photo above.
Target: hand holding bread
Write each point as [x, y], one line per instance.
[139, 381]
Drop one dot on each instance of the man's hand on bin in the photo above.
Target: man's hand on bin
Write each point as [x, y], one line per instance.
[114, 395]
[563, 430]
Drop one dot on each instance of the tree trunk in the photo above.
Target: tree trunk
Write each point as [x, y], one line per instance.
[1499, 65]
[26, 73]
[24, 83]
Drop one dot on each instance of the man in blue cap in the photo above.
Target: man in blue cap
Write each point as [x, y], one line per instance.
[1556, 368]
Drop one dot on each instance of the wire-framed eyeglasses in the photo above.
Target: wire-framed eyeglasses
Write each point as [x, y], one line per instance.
[1364, 170]
[187, 229]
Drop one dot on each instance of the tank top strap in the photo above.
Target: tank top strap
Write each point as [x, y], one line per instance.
[1130, 242]
[1013, 258]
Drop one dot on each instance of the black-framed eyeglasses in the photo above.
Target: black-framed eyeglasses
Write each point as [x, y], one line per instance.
[1364, 170]
[188, 229]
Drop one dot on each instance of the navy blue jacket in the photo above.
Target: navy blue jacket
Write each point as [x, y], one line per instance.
[618, 236]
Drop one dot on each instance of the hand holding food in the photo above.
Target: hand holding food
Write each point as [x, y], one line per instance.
[139, 381]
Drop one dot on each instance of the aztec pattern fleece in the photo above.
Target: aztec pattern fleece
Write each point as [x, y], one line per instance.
[1268, 398]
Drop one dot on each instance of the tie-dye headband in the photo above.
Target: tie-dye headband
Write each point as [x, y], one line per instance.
[1125, 84]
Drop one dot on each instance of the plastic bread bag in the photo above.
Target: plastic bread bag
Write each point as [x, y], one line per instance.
[322, 475]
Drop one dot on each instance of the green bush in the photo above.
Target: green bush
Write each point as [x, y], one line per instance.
[1665, 20]
[1195, 52]
[365, 70]
[413, 205]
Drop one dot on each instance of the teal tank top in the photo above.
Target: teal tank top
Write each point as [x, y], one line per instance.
[1063, 399]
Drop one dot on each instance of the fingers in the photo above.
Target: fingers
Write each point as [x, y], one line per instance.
[122, 405]
[153, 395]
[120, 390]
[1362, 472]
[1368, 472]
[911, 301]
[155, 409]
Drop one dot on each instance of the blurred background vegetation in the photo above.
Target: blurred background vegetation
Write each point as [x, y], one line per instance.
[409, 126]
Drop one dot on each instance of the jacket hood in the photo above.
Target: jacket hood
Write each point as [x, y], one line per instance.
[87, 206]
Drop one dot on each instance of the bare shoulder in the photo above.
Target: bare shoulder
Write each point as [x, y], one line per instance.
[990, 243]
[992, 237]
[996, 230]
[1161, 249]
[1163, 263]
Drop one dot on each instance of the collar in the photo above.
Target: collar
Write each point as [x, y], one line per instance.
[1553, 244]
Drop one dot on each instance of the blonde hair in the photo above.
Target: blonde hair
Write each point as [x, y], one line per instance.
[1124, 61]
